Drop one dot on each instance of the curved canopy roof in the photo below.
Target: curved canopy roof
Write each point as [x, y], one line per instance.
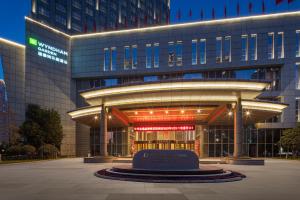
[202, 100]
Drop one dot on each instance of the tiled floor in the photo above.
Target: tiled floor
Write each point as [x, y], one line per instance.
[70, 179]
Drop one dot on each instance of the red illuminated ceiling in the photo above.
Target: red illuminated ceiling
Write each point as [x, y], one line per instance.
[173, 114]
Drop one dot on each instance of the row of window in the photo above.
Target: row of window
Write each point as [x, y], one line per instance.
[175, 51]
[271, 74]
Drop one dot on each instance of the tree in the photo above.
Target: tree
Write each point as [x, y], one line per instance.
[42, 126]
[53, 128]
[290, 140]
[32, 133]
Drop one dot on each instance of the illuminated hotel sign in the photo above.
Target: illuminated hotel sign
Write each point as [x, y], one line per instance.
[49, 52]
[165, 128]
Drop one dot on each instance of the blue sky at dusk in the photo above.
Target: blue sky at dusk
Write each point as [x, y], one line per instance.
[12, 12]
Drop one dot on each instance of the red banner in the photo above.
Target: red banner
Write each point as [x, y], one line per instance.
[165, 128]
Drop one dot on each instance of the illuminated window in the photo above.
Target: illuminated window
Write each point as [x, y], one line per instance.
[253, 47]
[113, 59]
[127, 57]
[171, 51]
[194, 52]
[298, 43]
[297, 76]
[297, 109]
[134, 57]
[280, 45]
[270, 45]
[203, 51]
[179, 53]
[244, 48]
[219, 50]
[148, 56]
[106, 59]
[227, 49]
[156, 55]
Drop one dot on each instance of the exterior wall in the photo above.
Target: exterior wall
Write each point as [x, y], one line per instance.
[88, 58]
[103, 15]
[49, 83]
[13, 63]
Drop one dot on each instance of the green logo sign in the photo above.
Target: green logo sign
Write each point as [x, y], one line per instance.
[33, 41]
[48, 51]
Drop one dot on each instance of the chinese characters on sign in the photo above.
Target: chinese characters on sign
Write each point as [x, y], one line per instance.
[49, 52]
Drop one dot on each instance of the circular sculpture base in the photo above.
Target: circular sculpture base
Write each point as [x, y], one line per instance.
[98, 159]
[204, 175]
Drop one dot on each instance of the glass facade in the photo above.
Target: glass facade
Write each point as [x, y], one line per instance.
[179, 53]
[253, 47]
[148, 56]
[297, 76]
[297, 109]
[270, 45]
[297, 43]
[106, 59]
[218, 141]
[127, 63]
[219, 50]
[203, 51]
[171, 56]
[156, 55]
[134, 57]
[194, 52]
[244, 48]
[280, 45]
[227, 49]
[113, 59]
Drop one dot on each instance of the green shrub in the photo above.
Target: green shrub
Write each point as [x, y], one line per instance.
[14, 150]
[28, 150]
[48, 151]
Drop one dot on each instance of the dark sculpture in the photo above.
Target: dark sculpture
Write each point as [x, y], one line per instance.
[165, 160]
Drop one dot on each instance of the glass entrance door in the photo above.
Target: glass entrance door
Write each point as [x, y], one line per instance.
[165, 140]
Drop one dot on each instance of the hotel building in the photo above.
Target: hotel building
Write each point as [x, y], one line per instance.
[220, 87]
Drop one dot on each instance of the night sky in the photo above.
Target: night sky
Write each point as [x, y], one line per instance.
[12, 12]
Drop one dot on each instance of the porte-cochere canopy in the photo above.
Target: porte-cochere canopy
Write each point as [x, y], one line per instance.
[192, 102]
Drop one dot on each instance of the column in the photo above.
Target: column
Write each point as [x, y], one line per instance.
[103, 132]
[238, 129]
[200, 130]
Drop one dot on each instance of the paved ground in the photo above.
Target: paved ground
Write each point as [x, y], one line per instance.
[70, 179]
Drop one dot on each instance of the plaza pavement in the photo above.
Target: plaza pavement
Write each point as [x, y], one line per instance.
[70, 179]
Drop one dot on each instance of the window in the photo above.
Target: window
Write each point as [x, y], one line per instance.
[134, 57]
[244, 47]
[179, 53]
[110, 82]
[113, 59]
[156, 55]
[150, 78]
[219, 50]
[127, 57]
[194, 52]
[148, 56]
[227, 49]
[43, 11]
[297, 109]
[61, 20]
[253, 47]
[297, 76]
[61, 8]
[106, 59]
[280, 45]
[203, 51]
[270, 45]
[298, 43]
[171, 50]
